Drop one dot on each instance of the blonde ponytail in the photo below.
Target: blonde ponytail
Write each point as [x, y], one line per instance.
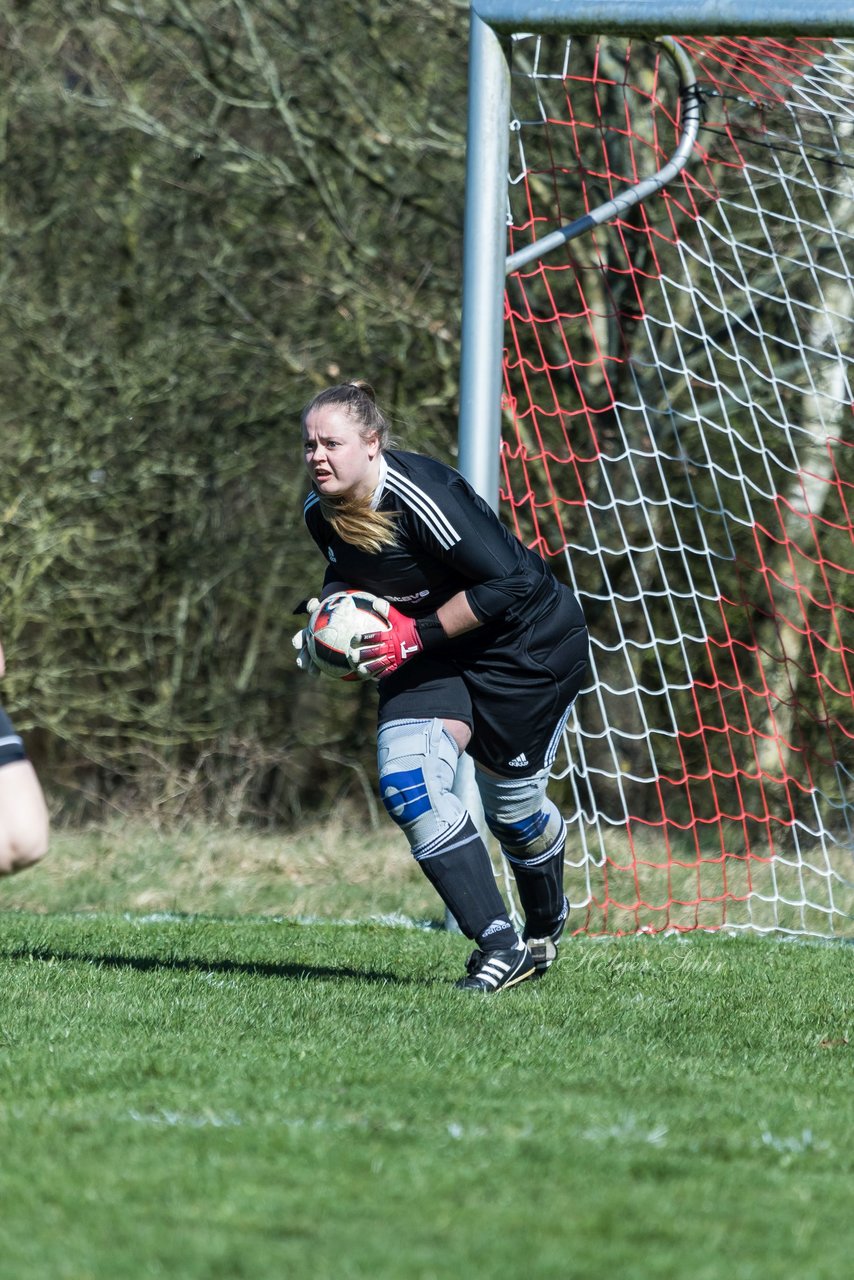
[356, 522]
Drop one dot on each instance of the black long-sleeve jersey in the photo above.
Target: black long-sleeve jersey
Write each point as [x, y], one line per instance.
[448, 540]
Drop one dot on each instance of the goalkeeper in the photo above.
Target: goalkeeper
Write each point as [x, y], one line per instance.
[24, 822]
[485, 653]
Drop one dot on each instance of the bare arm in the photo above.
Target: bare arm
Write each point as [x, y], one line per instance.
[457, 616]
[24, 820]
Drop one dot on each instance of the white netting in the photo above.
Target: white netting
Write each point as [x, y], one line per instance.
[678, 439]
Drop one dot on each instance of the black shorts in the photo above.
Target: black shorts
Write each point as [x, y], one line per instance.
[11, 745]
[514, 693]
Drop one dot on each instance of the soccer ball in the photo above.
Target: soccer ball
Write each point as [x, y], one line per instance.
[342, 620]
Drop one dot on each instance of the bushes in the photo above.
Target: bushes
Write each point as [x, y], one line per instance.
[210, 214]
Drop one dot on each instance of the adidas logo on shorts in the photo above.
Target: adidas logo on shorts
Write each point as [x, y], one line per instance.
[519, 761]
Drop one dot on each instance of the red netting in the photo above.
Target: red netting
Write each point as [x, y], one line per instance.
[678, 437]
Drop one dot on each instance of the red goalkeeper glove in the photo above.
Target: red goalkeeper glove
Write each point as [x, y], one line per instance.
[379, 653]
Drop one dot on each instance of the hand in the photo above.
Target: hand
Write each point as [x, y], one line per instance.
[305, 662]
[378, 653]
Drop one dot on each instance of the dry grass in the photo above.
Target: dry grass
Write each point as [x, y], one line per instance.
[345, 869]
[328, 870]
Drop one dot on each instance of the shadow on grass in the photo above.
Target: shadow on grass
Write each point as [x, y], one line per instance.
[250, 967]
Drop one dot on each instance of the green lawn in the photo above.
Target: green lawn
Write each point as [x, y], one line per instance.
[210, 1096]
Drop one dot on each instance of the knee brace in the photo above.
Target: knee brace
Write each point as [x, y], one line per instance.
[527, 825]
[417, 762]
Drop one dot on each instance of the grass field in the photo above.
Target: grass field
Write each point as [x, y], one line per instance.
[233, 1093]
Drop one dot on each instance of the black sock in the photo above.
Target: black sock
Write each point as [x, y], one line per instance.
[498, 936]
[460, 870]
[540, 889]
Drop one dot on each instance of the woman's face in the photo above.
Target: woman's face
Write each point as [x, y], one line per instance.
[339, 461]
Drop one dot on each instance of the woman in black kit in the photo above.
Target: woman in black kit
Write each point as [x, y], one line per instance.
[486, 653]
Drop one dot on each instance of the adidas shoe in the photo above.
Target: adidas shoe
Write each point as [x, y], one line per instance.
[490, 971]
[544, 950]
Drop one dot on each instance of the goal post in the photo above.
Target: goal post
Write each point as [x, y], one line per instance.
[657, 392]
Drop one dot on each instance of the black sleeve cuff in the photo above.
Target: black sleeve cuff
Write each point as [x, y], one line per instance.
[430, 631]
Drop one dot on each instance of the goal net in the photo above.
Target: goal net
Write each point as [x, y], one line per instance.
[678, 441]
